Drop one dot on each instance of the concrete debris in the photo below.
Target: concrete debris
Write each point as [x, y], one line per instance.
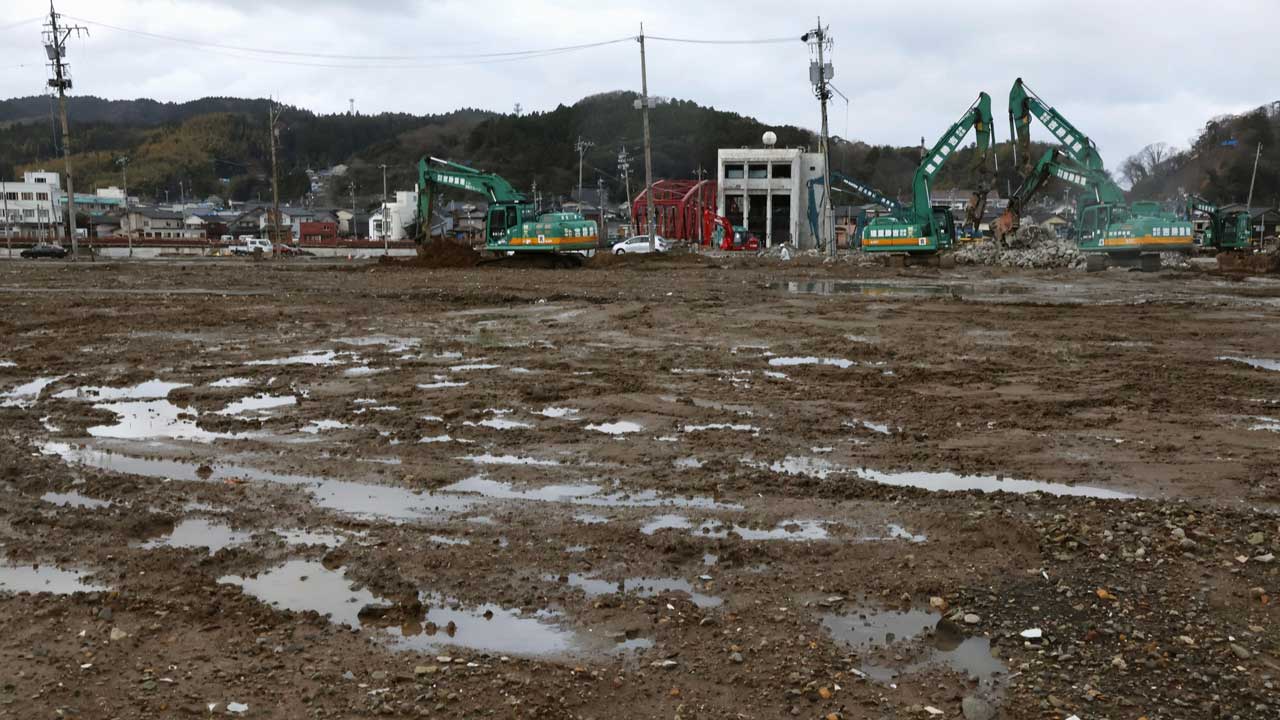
[1030, 247]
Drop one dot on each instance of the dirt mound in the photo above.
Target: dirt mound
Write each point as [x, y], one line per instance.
[439, 254]
[1029, 247]
[1252, 263]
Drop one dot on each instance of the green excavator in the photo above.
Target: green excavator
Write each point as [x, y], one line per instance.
[1225, 230]
[513, 225]
[923, 228]
[1105, 225]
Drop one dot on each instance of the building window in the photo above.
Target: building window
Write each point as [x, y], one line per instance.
[782, 171]
[11, 196]
[734, 172]
[42, 196]
[28, 212]
[28, 196]
[758, 171]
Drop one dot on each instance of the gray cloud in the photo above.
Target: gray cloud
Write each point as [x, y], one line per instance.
[1127, 73]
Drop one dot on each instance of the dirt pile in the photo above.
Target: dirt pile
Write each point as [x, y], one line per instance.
[1029, 247]
[440, 254]
[1252, 263]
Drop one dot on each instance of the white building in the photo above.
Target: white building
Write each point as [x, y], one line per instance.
[33, 207]
[398, 214]
[766, 190]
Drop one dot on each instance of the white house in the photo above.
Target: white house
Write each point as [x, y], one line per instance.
[396, 214]
[32, 207]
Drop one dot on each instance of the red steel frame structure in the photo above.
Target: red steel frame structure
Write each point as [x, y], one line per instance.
[677, 213]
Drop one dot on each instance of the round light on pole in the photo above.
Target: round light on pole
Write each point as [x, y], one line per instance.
[770, 138]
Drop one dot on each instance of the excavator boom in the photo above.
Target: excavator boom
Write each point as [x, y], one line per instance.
[977, 118]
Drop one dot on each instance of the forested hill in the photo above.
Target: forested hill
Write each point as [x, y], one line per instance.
[219, 146]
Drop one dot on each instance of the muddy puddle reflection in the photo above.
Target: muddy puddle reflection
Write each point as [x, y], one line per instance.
[44, 579]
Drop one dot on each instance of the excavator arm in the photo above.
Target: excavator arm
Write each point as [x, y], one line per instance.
[1024, 105]
[840, 181]
[1053, 164]
[434, 173]
[978, 119]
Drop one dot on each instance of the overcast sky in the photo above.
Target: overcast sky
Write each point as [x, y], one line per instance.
[1127, 72]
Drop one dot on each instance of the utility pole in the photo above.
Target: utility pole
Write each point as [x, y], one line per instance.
[645, 104]
[123, 162]
[537, 201]
[55, 46]
[273, 117]
[624, 166]
[701, 211]
[581, 146]
[8, 223]
[385, 251]
[820, 74]
[1249, 203]
[351, 225]
[604, 229]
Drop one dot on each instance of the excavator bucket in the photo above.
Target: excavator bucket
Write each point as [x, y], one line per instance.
[1005, 225]
[976, 209]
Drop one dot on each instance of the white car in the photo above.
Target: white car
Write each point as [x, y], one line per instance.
[640, 244]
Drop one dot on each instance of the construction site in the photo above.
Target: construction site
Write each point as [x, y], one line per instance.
[768, 438]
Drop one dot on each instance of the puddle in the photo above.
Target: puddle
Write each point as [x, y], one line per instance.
[775, 375]
[666, 522]
[394, 343]
[590, 519]
[951, 482]
[74, 499]
[314, 357]
[881, 428]
[351, 498]
[687, 463]
[897, 532]
[441, 384]
[468, 367]
[735, 427]
[147, 419]
[149, 390]
[25, 395]
[258, 403]
[316, 427]
[1265, 423]
[199, 533]
[499, 423]
[622, 427]
[710, 559]
[44, 578]
[302, 585]
[810, 360]
[1260, 363]
[866, 630]
[8, 364]
[436, 439]
[232, 382]
[485, 628]
[310, 537]
[446, 540]
[558, 412]
[790, 530]
[638, 586]
[579, 494]
[489, 459]
[806, 466]
[362, 371]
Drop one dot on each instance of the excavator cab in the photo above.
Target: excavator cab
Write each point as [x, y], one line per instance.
[944, 226]
[501, 219]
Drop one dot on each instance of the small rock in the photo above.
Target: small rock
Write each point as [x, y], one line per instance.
[1269, 557]
[736, 658]
[975, 708]
[105, 614]
[938, 603]
[1032, 634]
[1179, 534]
[117, 634]
[1240, 651]
[425, 670]
[971, 619]
[379, 675]
[348, 675]
[1255, 538]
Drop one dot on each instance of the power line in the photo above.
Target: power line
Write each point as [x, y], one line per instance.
[330, 56]
[21, 22]
[699, 41]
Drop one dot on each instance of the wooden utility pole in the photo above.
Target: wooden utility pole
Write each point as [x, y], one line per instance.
[55, 47]
[385, 250]
[648, 150]
[351, 225]
[624, 164]
[603, 230]
[123, 162]
[821, 79]
[273, 117]
[1249, 203]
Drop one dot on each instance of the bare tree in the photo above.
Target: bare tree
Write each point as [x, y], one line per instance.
[1146, 162]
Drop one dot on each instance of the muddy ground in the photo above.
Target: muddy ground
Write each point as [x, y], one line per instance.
[681, 487]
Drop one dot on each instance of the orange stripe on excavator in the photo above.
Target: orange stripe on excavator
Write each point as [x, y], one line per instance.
[1146, 240]
[893, 242]
[554, 240]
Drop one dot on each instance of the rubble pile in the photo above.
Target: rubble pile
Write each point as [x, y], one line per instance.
[1029, 247]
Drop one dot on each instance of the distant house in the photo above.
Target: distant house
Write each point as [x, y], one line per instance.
[318, 232]
[156, 224]
[104, 225]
